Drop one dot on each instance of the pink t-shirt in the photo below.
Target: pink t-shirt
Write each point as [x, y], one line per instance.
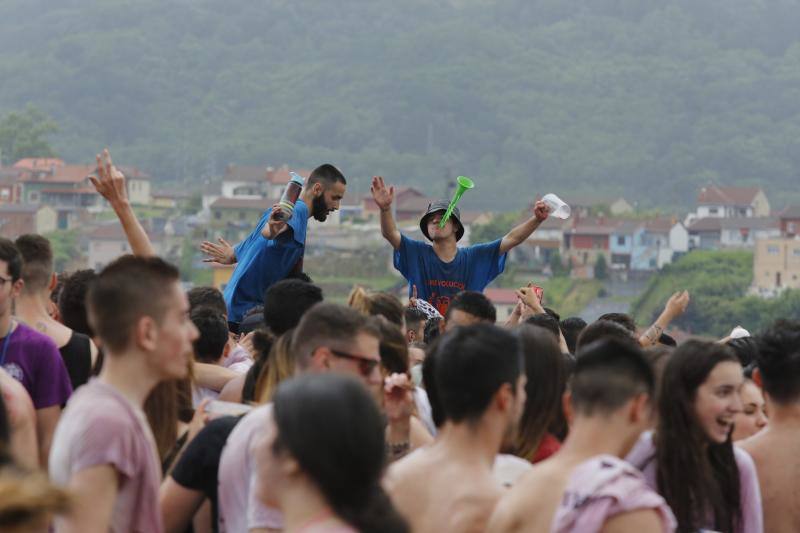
[100, 427]
[602, 487]
[239, 508]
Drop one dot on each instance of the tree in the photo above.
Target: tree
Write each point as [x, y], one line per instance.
[601, 268]
[24, 134]
[557, 265]
[497, 227]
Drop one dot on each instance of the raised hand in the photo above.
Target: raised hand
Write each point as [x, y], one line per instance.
[110, 182]
[527, 295]
[221, 253]
[398, 399]
[540, 211]
[383, 196]
[677, 303]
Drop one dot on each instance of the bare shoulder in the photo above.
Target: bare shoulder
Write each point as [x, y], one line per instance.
[505, 518]
[639, 520]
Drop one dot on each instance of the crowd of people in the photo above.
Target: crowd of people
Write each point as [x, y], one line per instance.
[129, 404]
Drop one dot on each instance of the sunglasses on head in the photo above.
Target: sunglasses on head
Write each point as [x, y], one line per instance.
[366, 366]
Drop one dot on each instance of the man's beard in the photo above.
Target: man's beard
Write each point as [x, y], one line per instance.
[319, 208]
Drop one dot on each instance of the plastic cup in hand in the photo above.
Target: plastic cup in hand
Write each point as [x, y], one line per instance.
[556, 206]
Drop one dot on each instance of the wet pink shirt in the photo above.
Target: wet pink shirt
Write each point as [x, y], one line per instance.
[602, 487]
[100, 427]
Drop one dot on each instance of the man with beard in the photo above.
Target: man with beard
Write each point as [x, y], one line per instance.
[441, 271]
[275, 247]
[479, 382]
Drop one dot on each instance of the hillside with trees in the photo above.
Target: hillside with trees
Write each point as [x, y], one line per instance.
[717, 282]
[650, 98]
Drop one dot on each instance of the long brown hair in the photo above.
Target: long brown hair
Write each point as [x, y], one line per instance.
[697, 478]
[546, 373]
[168, 403]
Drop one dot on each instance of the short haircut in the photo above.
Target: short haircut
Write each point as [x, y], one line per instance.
[778, 360]
[414, 317]
[286, 301]
[608, 373]
[745, 348]
[604, 328]
[622, 319]
[126, 290]
[471, 364]
[328, 324]
[213, 328]
[474, 303]
[326, 174]
[12, 257]
[571, 328]
[552, 313]
[72, 301]
[207, 297]
[545, 321]
[37, 262]
[432, 330]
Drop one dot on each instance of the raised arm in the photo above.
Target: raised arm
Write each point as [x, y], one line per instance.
[518, 235]
[110, 183]
[676, 305]
[384, 196]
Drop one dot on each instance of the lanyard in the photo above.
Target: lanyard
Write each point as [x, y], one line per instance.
[5, 343]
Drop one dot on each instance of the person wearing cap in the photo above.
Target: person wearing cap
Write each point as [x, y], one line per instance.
[442, 269]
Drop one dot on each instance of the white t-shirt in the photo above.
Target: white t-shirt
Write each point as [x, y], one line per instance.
[239, 508]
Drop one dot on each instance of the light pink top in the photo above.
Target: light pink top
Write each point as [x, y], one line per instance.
[239, 508]
[643, 456]
[602, 487]
[100, 427]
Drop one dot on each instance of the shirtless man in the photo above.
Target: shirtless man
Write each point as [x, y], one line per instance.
[586, 486]
[480, 383]
[774, 448]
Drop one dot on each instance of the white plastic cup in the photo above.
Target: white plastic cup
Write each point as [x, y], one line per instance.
[556, 206]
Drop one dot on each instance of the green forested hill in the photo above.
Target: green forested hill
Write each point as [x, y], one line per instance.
[644, 97]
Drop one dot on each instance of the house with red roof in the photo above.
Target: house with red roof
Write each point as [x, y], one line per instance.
[55, 183]
[254, 182]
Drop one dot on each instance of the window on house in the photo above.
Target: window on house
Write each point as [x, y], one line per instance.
[620, 241]
[713, 210]
[5, 194]
[773, 250]
[796, 252]
[218, 215]
[33, 197]
[242, 215]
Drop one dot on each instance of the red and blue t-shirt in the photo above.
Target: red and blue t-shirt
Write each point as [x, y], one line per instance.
[473, 268]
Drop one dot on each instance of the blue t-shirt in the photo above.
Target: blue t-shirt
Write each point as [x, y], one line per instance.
[473, 268]
[262, 262]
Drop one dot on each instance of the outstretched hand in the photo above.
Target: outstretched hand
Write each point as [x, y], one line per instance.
[540, 211]
[221, 253]
[383, 196]
[110, 182]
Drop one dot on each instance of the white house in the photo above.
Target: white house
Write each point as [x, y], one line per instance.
[107, 242]
[714, 201]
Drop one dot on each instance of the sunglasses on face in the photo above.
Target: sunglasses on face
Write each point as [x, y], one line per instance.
[366, 366]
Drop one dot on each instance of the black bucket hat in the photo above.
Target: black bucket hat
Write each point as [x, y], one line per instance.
[435, 207]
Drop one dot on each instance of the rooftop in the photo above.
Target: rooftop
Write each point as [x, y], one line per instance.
[735, 196]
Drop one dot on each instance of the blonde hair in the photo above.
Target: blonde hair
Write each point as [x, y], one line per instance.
[377, 304]
[28, 501]
[280, 365]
